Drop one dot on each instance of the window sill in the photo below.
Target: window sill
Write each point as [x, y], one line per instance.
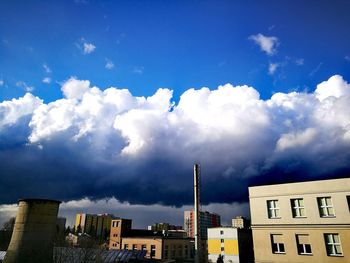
[299, 217]
[328, 216]
[274, 217]
[279, 253]
[336, 255]
[305, 254]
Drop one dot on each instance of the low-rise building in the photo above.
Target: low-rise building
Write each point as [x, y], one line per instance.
[240, 222]
[301, 222]
[232, 244]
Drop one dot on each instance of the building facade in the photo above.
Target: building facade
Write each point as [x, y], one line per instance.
[301, 222]
[233, 244]
[162, 248]
[95, 225]
[240, 222]
[207, 220]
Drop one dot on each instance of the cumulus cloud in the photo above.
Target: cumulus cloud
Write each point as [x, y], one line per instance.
[2, 82]
[266, 44]
[100, 143]
[89, 48]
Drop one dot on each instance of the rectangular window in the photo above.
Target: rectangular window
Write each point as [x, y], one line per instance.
[348, 200]
[277, 244]
[134, 247]
[298, 208]
[143, 247]
[333, 245]
[222, 241]
[303, 245]
[222, 248]
[153, 251]
[126, 246]
[221, 232]
[273, 210]
[325, 207]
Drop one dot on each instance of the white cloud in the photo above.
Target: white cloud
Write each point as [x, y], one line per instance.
[24, 86]
[234, 133]
[347, 58]
[336, 87]
[12, 111]
[272, 68]
[109, 64]
[46, 68]
[267, 44]
[89, 48]
[47, 80]
[2, 82]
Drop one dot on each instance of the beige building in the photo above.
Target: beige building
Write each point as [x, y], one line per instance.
[160, 247]
[301, 222]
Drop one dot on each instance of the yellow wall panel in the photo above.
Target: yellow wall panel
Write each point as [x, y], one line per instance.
[231, 247]
[214, 246]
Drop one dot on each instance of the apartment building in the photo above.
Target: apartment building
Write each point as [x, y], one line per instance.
[96, 225]
[233, 244]
[207, 220]
[301, 222]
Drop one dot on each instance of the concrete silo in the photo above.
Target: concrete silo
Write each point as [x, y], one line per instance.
[34, 231]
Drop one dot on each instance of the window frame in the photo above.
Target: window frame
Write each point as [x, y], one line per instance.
[333, 244]
[273, 212]
[297, 207]
[277, 245]
[323, 208]
[304, 252]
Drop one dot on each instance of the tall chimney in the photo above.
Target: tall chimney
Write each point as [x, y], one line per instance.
[197, 232]
[34, 231]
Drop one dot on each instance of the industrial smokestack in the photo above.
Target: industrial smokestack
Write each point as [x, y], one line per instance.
[197, 232]
[34, 232]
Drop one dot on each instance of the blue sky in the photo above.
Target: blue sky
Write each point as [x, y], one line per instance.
[172, 44]
[107, 100]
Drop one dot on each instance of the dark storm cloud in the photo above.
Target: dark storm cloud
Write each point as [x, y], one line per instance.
[101, 144]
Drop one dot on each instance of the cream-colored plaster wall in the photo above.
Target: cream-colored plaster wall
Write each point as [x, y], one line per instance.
[263, 250]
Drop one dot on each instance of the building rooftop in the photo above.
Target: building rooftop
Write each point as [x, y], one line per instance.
[324, 186]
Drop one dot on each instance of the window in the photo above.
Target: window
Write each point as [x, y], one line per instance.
[126, 246]
[333, 245]
[221, 232]
[153, 251]
[115, 224]
[134, 247]
[143, 247]
[273, 210]
[303, 245]
[325, 206]
[222, 241]
[277, 244]
[222, 248]
[348, 199]
[298, 208]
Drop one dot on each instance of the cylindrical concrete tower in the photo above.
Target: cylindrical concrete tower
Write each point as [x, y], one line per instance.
[34, 231]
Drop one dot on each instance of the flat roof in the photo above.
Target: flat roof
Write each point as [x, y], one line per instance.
[308, 187]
